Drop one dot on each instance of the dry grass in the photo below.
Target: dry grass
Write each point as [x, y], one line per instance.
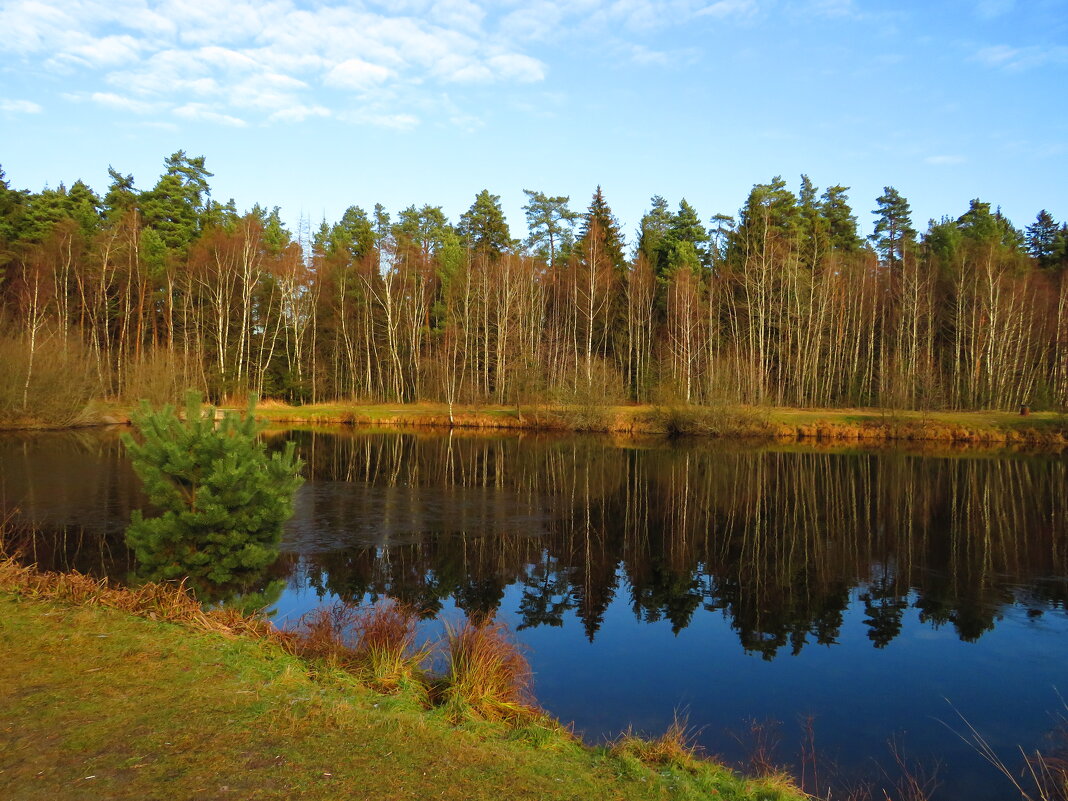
[168, 602]
[1045, 773]
[674, 747]
[488, 676]
[376, 644]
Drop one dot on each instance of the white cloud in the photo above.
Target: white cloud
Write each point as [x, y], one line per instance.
[514, 66]
[944, 161]
[299, 113]
[991, 9]
[201, 111]
[728, 8]
[19, 106]
[397, 122]
[1016, 59]
[355, 73]
[112, 100]
[272, 60]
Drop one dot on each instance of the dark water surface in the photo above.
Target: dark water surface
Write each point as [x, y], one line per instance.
[880, 593]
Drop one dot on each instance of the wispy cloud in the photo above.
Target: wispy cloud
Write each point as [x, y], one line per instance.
[722, 9]
[944, 160]
[201, 111]
[19, 106]
[991, 9]
[1021, 58]
[115, 101]
[284, 61]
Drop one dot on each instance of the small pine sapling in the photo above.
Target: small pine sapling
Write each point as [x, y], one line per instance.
[220, 500]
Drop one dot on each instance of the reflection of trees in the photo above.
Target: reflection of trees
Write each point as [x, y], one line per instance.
[779, 542]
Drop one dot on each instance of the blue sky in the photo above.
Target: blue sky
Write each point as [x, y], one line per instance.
[315, 106]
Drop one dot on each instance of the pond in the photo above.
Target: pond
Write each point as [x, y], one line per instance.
[885, 596]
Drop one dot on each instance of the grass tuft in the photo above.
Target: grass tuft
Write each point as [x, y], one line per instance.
[377, 644]
[672, 748]
[488, 676]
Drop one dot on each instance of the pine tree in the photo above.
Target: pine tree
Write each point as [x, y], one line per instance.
[841, 222]
[812, 225]
[1042, 238]
[600, 223]
[221, 500]
[484, 228]
[550, 223]
[893, 228]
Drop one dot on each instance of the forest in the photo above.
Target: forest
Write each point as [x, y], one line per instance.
[140, 293]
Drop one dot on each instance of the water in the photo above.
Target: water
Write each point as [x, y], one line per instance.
[882, 594]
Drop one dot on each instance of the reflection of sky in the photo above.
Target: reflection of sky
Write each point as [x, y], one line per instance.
[638, 674]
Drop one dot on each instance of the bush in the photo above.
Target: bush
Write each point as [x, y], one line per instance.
[61, 382]
[221, 500]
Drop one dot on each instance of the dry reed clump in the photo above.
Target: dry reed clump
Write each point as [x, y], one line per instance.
[171, 603]
[488, 677]
[672, 748]
[377, 644]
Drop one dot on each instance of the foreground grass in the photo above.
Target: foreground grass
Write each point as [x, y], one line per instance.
[99, 703]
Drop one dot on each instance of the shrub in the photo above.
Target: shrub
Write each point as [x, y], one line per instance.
[61, 382]
[221, 499]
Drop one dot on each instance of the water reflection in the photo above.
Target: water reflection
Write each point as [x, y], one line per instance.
[646, 577]
[776, 541]
[781, 543]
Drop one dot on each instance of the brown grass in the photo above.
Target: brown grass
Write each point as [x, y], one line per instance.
[488, 676]
[673, 747]
[376, 644]
[168, 602]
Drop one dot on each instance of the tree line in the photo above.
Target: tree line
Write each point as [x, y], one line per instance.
[143, 292]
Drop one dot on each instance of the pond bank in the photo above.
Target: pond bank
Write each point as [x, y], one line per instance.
[780, 424]
[99, 702]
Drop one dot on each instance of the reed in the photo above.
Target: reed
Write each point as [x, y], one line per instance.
[488, 677]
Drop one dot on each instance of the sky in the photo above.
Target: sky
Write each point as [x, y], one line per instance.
[316, 105]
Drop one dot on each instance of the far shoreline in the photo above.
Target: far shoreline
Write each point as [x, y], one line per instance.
[864, 427]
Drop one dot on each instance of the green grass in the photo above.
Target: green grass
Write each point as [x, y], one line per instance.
[96, 703]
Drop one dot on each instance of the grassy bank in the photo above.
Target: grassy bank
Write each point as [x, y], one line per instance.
[125, 703]
[781, 424]
[768, 423]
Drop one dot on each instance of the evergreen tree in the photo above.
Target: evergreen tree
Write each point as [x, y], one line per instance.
[840, 220]
[484, 228]
[769, 211]
[893, 226]
[1042, 238]
[178, 202]
[653, 232]
[221, 500]
[686, 239]
[600, 221]
[121, 195]
[813, 226]
[550, 223]
[352, 236]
